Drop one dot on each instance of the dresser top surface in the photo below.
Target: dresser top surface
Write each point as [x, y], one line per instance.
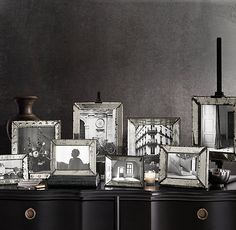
[150, 193]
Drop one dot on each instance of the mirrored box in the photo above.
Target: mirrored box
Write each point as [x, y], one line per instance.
[184, 166]
[100, 121]
[13, 168]
[145, 135]
[124, 171]
[73, 157]
[214, 124]
[34, 139]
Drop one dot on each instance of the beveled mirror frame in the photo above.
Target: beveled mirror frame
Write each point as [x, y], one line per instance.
[197, 102]
[202, 166]
[91, 144]
[55, 125]
[99, 109]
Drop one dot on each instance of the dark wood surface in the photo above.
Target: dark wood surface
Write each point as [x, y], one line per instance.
[151, 208]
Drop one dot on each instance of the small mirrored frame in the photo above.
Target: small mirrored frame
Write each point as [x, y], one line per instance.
[34, 139]
[63, 149]
[124, 171]
[17, 169]
[184, 166]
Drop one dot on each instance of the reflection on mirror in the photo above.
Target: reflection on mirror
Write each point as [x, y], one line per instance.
[217, 127]
[214, 123]
[182, 166]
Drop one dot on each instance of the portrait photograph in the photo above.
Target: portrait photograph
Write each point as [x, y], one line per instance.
[74, 157]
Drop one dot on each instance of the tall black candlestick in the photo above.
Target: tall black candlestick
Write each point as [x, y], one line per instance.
[219, 92]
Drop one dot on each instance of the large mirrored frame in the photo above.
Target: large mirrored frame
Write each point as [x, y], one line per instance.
[184, 166]
[73, 157]
[100, 121]
[214, 122]
[145, 135]
[34, 139]
[124, 171]
[13, 168]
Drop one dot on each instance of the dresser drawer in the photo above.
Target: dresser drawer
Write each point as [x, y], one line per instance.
[40, 215]
[185, 215]
[98, 215]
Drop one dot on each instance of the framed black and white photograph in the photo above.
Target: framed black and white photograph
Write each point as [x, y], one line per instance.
[74, 157]
[145, 135]
[34, 138]
[13, 168]
[184, 166]
[124, 171]
[214, 123]
[100, 121]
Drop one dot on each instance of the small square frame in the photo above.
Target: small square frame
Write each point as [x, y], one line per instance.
[201, 162]
[34, 138]
[15, 176]
[130, 164]
[71, 145]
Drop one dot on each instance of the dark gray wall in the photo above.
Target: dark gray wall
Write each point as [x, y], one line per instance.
[150, 55]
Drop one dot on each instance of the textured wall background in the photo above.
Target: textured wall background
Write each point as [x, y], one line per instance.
[151, 55]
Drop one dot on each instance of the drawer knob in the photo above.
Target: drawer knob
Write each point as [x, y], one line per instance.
[202, 214]
[30, 214]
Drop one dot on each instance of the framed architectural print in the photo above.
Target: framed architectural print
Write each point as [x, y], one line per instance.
[73, 157]
[124, 171]
[13, 168]
[34, 138]
[184, 166]
[101, 121]
[214, 123]
[145, 135]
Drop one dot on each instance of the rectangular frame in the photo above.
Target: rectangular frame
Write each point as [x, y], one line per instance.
[197, 102]
[121, 162]
[34, 138]
[201, 162]
[103, 122]
[15, 176]
[150, 136]
[84, 169]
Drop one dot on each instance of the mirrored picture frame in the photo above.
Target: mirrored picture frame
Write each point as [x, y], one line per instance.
[146, 135]
[124, 171]
[34, 139]
[101, 121]
[73, 157]
[184, 166]
[213, 124]
[13, 168]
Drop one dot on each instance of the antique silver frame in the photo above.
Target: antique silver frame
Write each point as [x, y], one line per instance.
[109, 134]
[12, 178]
[197, 102]
[127, 180]
[74, 144]
[38, 147]
[173, 163]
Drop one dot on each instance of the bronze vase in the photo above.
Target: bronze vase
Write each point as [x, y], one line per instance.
[25, 112]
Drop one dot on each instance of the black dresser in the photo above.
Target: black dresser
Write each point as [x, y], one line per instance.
[119, 209]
